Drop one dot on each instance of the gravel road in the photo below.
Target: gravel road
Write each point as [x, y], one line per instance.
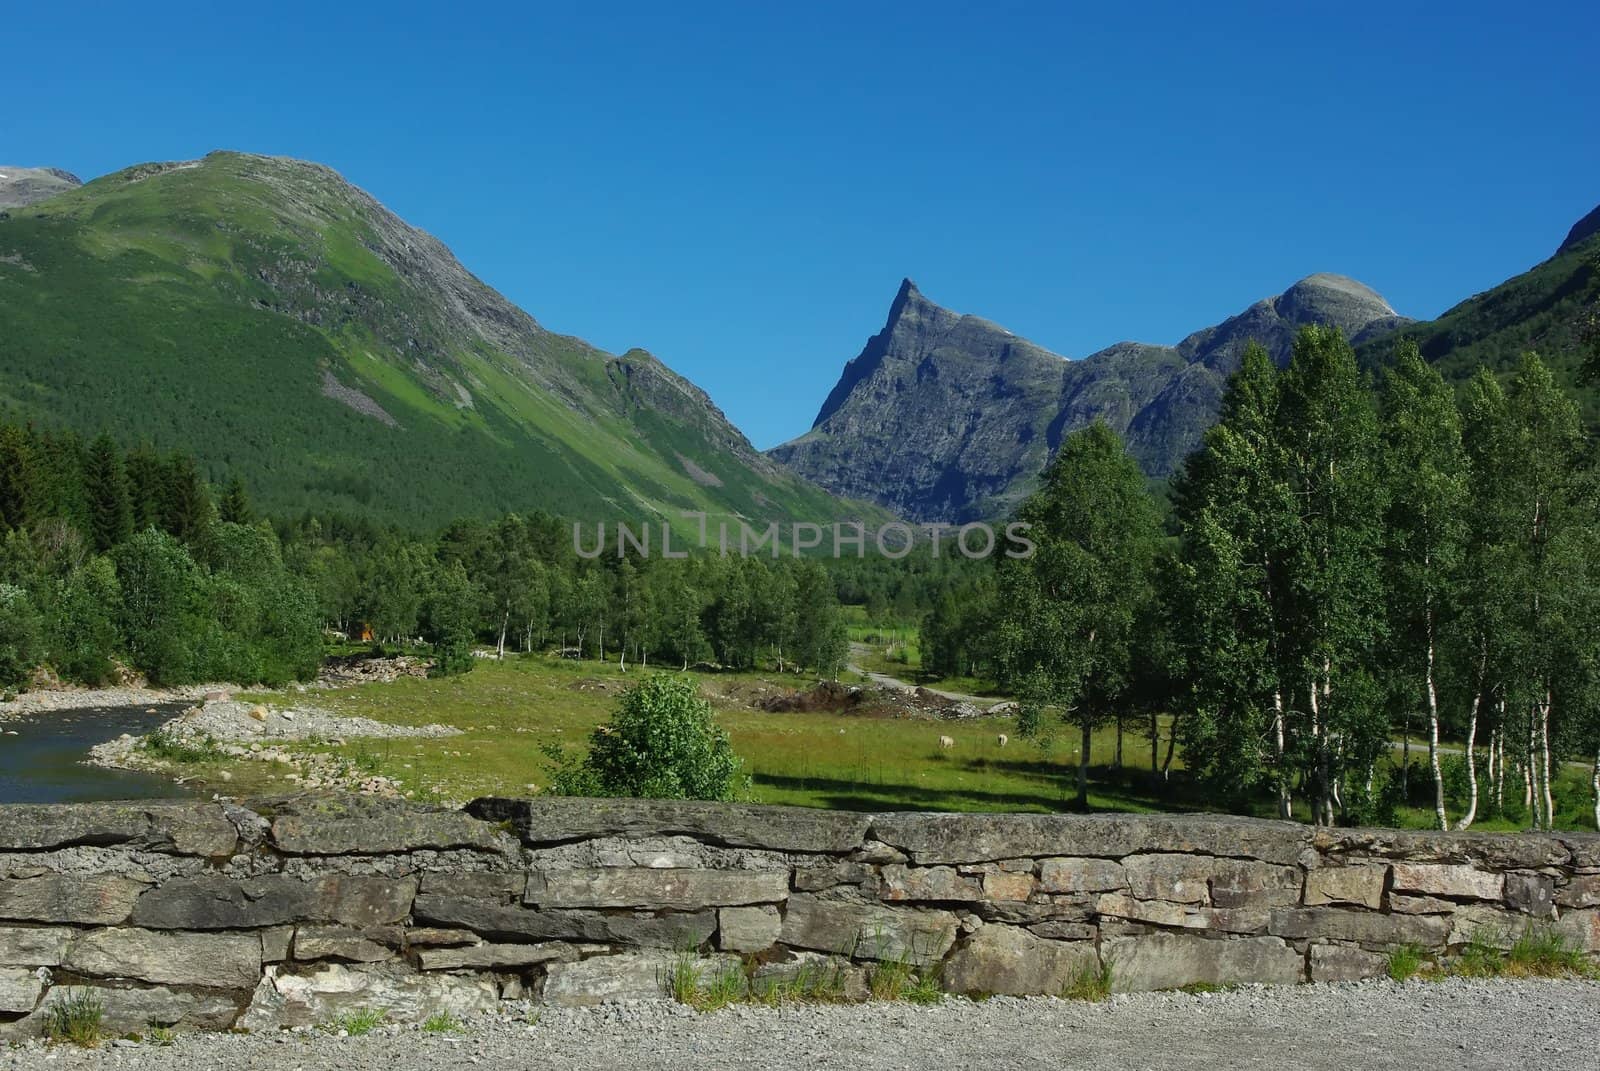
[1447, 1025]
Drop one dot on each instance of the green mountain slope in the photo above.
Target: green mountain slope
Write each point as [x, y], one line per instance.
[284, 326]
[1546, 309]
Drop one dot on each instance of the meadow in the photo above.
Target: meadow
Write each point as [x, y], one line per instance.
[511, 712]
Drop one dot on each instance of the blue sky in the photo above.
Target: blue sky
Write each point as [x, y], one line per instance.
[740, 188]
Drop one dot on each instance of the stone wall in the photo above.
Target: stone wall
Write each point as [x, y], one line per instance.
[213, 915]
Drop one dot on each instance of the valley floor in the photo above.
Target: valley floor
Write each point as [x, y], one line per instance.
[1456, 1024]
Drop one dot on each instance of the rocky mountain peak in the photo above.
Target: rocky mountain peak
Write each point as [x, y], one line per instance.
[1581, 231]
[20, 186]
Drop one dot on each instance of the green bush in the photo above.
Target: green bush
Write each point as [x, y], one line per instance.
[21, 636]
[662, 744]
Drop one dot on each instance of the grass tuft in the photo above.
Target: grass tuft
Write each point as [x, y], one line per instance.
[1406, 961]
[442, 1022]
[1092, 984]
[76, 1018]
[359, 1023]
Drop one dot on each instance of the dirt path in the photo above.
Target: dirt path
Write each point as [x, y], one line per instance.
[883, 680]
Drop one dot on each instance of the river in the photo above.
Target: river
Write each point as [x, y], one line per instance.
[43, 762]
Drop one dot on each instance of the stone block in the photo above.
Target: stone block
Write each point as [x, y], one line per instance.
[817, 877]
[346, 944]
[178, 827]
[1583, 890]
[1450, 880]
[275, 943]
[1081, 875]
[1065, 931]
[931, 839]
[812, 974]
[868, 931]
[1359, 884]
[308, 998]
[655, 889]
[676, 929]
[1367, 928]
[1170, 961]
[625, 976]
[210, 960]
[1007, 886]
[1581, 927]
[439, 937]
[1420, 905]
[135, 1011]
[489, 956]
[82, 899]
[20, 990]
[372, 825]
[552, 820]
[942, 883]
[1009, 960]
[1531, 893]
[33, 946]
[503, 887]
[216, 902]
[1346, 963]
[1484, 924]
[748, 929]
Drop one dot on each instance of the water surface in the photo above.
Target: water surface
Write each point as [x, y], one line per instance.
[43, 762]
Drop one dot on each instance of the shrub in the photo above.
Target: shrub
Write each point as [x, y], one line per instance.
[662, 744]
[21, 633]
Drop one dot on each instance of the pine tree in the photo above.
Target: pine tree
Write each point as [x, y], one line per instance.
[235, 504]
[106, 488]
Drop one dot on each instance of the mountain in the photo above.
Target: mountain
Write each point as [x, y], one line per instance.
[286, 327]
[1552, 309]
[946, 417]
[20, 186]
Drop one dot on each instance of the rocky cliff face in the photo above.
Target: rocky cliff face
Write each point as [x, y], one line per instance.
[951, 417]
[20, 186]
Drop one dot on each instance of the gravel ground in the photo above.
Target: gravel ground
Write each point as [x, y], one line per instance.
[1448, 1025]
[43, 702]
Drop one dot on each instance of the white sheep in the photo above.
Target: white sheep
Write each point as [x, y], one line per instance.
[946, 743]
[1002, 740]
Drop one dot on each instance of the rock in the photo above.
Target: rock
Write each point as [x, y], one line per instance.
[1012, 961]
[1582, 891]
[367, 825]
[33, 946]
[625, 976]
[1223, 882]
[1074, 875]
[1344, 963]
[344, 943]
[943, 883]
[503, 887]
[1346, 885]
[1157, 912]
[954, 838]
[211, 960]
[1359, 927]
[179, 827]
[1582, 928]
[868, 931]
[1169, 961]
[1065, 931]
[87, 900]
[284, 999]
[20, 990]
[1448, 880]
[748, 929]
[495, 956]
[1507, 851]
[275, 943]
[135, 1011]
[1001, 886]
[812, 973]
[655, 889]
[552, 819]
[1420, 905]
[497, 923]
[1484, 924]
[214, 902]
[1531, 893]
[436, 937]
[828, 875]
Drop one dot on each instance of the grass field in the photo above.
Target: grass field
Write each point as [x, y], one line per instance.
[509, 712]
